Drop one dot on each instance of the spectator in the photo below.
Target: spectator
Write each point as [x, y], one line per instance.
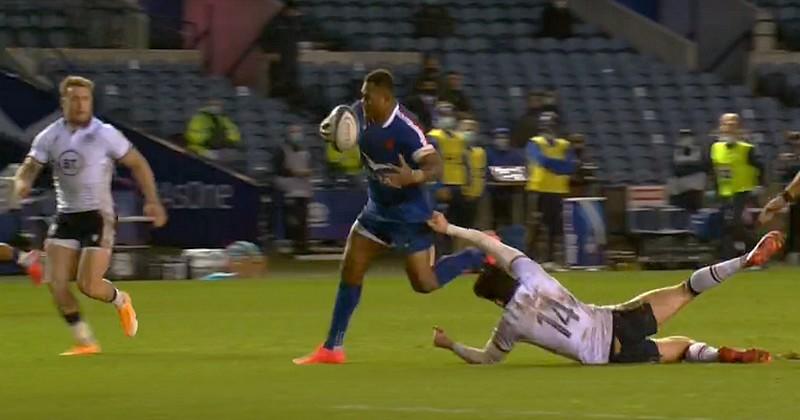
[453, 93]
[432, 20]
[551, 161]
[431, 71]
[347, 163]
[789, 167]
[528, 125]
[281, 36]
[292, 162]
[688, 182]
[584, 176]
[556, 20]
[738, 174]
[422, 102]
[501, 153]
[451, 147]
[475, 164]
[210, 130]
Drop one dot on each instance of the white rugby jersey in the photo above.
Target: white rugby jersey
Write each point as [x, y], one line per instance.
[544, 313]
[83, 162]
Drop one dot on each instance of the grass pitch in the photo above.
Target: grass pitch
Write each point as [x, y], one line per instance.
[223, 350]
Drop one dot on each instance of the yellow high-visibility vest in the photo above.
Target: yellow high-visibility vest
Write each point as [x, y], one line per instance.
[452, 148]
[733, 169]
[543, 180]
[348, 161]
[476, 160]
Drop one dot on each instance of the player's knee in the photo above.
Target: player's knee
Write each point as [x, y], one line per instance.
[88, 287]
[423, 287]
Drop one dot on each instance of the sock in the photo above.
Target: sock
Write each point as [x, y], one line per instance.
[701, 352]
[451, 266]
[117, 299]
[711, 276]
[80, 329]
[346, 301]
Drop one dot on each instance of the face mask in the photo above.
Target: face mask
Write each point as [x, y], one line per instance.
[447, 122]
[501, 143]
[469, 136]
[726, 138]
[296, 137]
[214, 109]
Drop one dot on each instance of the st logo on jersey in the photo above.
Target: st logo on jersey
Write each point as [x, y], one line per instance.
[70, 162]
[389, 144]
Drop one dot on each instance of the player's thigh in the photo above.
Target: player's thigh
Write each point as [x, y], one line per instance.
[358, 254]
[419, 268]
[62, 261]
[6, 252]
[93, 264]
[672, 349]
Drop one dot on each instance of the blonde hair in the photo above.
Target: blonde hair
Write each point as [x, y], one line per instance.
[71, 81]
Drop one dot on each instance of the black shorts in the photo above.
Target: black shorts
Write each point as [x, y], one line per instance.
[551, 206]
[88, 229]
[632, 327]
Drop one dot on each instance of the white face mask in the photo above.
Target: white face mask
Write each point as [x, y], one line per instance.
[502, 143]
[447, 123]
[469, 136]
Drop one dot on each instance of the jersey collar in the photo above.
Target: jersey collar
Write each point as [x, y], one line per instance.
[391, 116]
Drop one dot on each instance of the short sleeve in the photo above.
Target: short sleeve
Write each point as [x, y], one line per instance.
[504, 336]
[118, 145]
[526, 270]
[417, 144]
[40, 148]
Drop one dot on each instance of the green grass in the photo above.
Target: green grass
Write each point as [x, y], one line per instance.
[222, 350]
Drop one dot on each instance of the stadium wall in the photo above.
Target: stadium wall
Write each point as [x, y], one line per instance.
[209, 206]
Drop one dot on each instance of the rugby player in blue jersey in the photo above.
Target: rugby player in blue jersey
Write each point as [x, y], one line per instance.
[400, 162]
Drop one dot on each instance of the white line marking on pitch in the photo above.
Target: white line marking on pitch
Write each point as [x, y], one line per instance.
[507, 413]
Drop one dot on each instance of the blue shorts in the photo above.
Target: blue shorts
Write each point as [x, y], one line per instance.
[406, 237]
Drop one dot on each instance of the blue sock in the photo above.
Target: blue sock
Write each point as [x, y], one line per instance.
[451, 266]
[346, 301]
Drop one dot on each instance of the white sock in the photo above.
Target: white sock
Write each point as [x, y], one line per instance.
[117, 301]
[82, 333]
[711, 276]
[701, 353]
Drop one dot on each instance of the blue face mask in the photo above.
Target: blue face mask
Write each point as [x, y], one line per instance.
[469, 136]
[502, 143]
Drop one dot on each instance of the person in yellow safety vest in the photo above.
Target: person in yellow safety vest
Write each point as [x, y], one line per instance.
[210, 129]
[738, 175]
[551, 161]
[450, 144]
[347, 162]
[475, 165]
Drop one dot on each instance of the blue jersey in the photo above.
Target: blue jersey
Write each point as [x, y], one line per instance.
[380, 147]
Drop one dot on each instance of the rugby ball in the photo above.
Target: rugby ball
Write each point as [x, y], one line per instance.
[344, 128]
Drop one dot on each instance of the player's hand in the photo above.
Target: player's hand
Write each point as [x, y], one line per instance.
[441, 340]
[399, 176]
[325, 128]
[157, 212]
[773, 206]
[438, 222]
[22, 189]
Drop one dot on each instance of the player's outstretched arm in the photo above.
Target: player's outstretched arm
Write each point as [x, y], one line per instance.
[143, 175]
[503, 253]
[486, 356]
[25, 176]
[780, 201]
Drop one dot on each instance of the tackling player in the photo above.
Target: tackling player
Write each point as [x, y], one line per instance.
[399, 162]
[26, 259]
[538, 310]
[83, 151]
